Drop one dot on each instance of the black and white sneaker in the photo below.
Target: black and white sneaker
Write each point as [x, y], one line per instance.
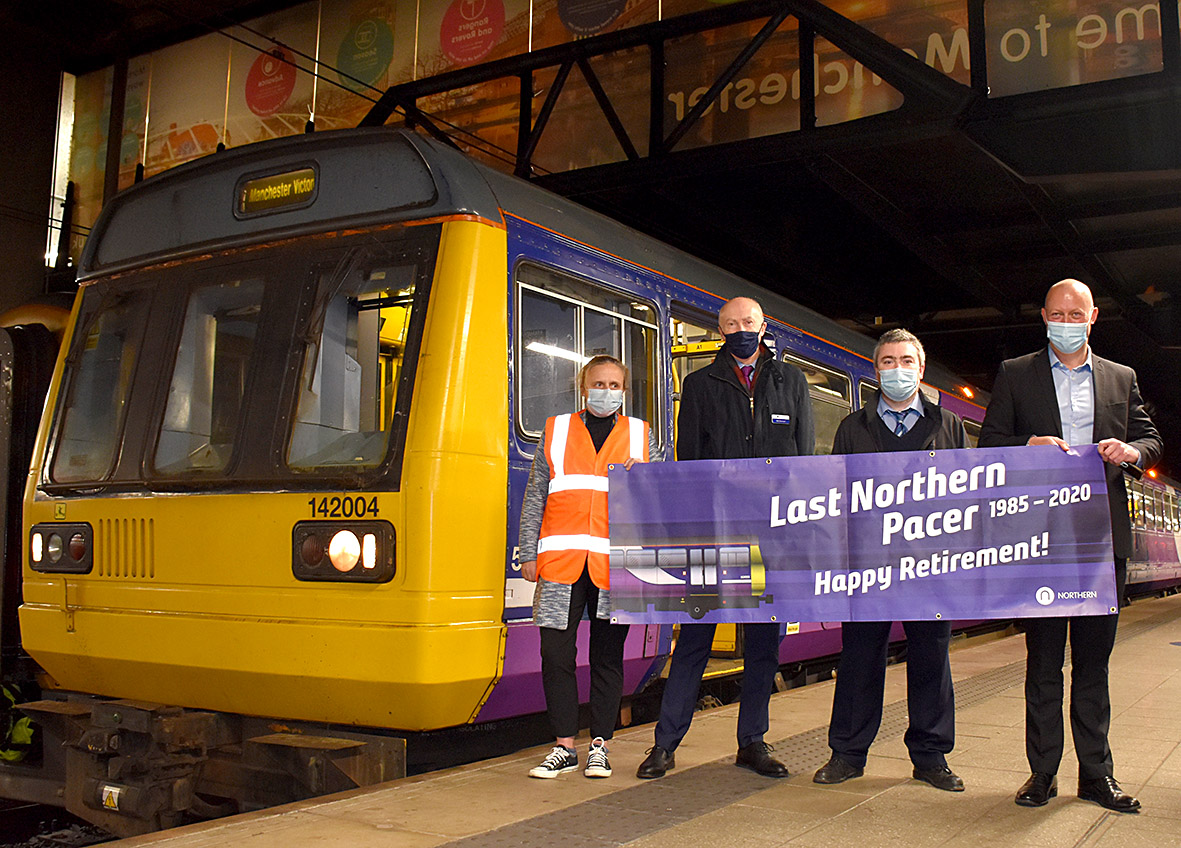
[597, 764]
[558, 761]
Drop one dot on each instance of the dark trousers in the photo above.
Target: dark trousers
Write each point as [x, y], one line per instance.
[861, 680]
[1091, 641]
[761, 662]
[559, 655]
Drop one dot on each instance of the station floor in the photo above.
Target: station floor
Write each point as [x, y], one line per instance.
[706, 800]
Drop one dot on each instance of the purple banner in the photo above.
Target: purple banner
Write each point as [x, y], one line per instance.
[958, 534]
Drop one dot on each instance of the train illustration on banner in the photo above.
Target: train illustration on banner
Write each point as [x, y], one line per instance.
[696, 578]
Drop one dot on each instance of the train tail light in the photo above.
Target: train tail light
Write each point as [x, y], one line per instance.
[62, 548]
[343, 551]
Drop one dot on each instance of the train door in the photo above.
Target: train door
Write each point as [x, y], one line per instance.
[695, 343]
[831, 392]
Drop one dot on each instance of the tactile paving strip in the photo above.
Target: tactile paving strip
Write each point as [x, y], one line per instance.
[629, 814]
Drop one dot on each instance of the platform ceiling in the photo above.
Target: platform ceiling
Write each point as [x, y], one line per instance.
[952, 227]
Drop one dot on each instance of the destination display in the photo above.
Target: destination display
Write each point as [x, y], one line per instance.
[276, 192]
[959, 534]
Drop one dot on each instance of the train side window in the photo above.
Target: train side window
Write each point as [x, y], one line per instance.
[866, 393]
[352, 366]
[1136, 501]
[100, 369]
[208, 388]
[972, 429]
[832, 399]
[562, 322]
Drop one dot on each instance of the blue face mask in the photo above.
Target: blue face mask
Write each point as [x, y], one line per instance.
[1067, 337]
[742, 344]
[603, 402]
[899, 383]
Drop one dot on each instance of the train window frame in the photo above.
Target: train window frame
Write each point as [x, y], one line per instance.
[866, 391]
[655, 369]
[972, 430]
[820, 395]
[427, 241]
[203, 286]
[89, 314]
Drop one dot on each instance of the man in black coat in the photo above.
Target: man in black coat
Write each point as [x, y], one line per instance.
[745, 404]
[1064, 395]
[900, 418]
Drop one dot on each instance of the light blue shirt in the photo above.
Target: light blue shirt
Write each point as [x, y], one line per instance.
[913, 413]
[1075, 388]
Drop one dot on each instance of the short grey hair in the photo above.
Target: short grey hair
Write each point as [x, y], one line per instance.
[896, 336]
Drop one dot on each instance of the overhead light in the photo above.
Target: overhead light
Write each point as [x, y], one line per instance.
[967, 390]
[561, 353]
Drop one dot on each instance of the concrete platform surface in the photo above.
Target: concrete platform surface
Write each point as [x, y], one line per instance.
[706, 800]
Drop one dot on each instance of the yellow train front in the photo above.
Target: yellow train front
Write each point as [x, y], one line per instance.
[235, 505]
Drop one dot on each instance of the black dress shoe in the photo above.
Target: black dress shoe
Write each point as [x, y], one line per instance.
[941, 777]
[1038, 790]
[757, 757]
[836, 770]
[1105, 792]
[656, 763]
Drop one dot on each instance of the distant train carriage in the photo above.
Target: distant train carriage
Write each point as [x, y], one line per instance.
[271, 512]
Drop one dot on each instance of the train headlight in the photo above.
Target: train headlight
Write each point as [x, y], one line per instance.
[343, 551]
[58, 547]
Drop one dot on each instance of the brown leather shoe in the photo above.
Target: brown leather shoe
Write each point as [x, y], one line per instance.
[757, 757]
[1038, 790]
[1105, 792]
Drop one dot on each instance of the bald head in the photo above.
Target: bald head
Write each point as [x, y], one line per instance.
[741, 313]
[1070, 290]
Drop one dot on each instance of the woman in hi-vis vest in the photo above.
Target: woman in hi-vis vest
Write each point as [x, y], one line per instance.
[565, 549]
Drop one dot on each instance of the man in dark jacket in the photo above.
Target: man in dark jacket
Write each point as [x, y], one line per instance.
[1064, 395]
[900, 418]
[745, 404]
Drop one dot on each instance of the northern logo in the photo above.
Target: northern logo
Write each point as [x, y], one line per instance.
[1045, 596]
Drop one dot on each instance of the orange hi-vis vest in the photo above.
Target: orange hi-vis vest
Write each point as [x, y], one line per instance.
[574, 524]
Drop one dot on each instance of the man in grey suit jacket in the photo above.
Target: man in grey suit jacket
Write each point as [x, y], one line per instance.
[1062, 395]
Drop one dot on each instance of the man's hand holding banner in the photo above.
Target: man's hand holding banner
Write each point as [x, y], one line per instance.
[959, 534]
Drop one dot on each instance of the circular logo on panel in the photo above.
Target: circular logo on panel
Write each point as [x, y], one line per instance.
[470, 29]
[587, 17]
[1045, 596]
[364, 54]
[270, 81]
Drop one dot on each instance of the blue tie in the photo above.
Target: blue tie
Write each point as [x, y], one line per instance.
[899, 417]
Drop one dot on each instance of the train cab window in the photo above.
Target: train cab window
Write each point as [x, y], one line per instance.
[832, 399]
[972, 429]
[206, 395]
[562, 322]
[352, 365]
[101, 367]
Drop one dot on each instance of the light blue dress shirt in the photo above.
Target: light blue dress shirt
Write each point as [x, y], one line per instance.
[1075, 388]
[913, 413]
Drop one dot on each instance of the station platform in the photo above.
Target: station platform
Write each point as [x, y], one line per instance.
[706, 800]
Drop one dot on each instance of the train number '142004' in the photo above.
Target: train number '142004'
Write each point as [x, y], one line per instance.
[344, 506]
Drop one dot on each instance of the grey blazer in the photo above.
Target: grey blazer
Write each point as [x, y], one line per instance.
[1024, 404]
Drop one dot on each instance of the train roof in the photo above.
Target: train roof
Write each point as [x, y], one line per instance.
[363, 177]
